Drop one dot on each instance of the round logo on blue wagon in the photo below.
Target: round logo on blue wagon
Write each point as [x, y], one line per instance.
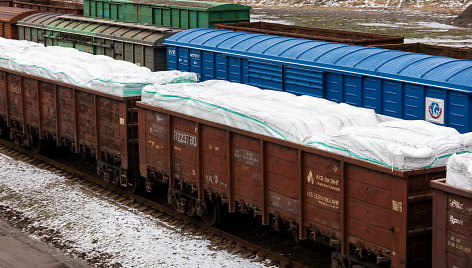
[435, 110]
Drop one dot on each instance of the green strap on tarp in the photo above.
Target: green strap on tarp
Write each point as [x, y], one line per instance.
[221, 108]
[308, 143]
[129, 89]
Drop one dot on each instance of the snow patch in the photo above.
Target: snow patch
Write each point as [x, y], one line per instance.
[133, 239]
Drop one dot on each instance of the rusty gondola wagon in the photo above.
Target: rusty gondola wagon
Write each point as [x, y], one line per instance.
[64, 7]
[9, 16]
[452, 217]
[368, 212]
[313, 33]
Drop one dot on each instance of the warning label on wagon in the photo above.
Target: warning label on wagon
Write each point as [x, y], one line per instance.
[434, 110]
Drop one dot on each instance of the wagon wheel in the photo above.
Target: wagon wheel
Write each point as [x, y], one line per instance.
[3, 130]
[85, 154]
[37, 147]
[133, 185]
[213, 213]
[149, 185]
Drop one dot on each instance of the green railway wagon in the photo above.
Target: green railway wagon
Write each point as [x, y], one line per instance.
[176, 13]
[136, 43]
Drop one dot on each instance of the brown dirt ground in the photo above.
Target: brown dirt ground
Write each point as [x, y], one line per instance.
[17, 250]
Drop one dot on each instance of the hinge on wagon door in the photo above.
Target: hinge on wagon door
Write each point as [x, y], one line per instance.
[397, 206]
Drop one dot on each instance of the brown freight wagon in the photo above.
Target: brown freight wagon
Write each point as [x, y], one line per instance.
[94, 124]
[64, 7]
[6, 3]
[323, 34]
[369, 213]
[9, 16]
[435, 50]
[452, 226]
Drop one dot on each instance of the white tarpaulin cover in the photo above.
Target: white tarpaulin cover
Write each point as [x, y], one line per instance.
[459, 171]
[97, 72]
[340, 128]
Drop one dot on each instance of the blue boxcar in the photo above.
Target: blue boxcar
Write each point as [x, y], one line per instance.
[394, 83]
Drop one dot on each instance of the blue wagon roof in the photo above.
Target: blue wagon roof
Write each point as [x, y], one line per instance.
[415, 67]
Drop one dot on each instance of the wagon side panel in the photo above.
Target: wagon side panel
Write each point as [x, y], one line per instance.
[247, 170]
[109, 127]
[185, 151]
[66, 113]
[48, 107]
[31, 95]
[86, 122]
[215, 159]
[283, 181]
[15, 103]
[155, 142]
[323, 179]
[3, 94]
[370, 206]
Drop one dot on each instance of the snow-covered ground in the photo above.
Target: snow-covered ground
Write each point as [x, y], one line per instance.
[431, 27]
[268, 18]
[98, 227]
[430, 4]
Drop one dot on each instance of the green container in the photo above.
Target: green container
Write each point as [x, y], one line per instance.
[136, 43]
[177, 13]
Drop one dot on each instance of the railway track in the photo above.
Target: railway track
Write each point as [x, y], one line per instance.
[240, 236]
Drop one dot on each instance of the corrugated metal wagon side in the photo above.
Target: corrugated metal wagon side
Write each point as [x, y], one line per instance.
[367, 212]
[37, 110]
[394, 83]
[136, 43]
[8, 18]
[184, 14]
[324, 34]
[452, 221]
